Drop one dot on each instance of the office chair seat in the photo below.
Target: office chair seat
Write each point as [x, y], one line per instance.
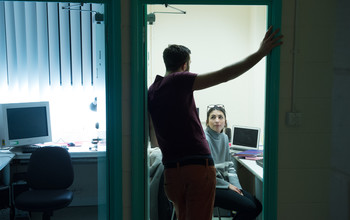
[49, 174]
[44, 200]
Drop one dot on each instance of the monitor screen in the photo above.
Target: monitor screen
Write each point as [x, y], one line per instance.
[245, 137]
[24, 124]
[27, 122]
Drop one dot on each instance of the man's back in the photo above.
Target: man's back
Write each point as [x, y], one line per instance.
[175, 119]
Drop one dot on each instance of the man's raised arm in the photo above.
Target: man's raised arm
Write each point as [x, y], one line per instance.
[228, 73]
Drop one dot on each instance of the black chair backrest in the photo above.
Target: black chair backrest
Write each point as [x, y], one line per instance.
[50, 168]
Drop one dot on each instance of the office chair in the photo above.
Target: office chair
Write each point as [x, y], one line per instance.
[49, 174]
[173, 216]
[233, 213]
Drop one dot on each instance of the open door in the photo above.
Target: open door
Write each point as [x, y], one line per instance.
[142, 59]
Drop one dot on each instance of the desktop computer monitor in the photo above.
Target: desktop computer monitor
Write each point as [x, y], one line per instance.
[245, 138]
[24, 124]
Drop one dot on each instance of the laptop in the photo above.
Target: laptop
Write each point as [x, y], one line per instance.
[245, 138]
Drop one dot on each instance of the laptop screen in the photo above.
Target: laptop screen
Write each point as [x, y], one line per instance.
[245, 137]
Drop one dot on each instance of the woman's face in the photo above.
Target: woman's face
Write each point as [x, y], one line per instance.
[216, 121]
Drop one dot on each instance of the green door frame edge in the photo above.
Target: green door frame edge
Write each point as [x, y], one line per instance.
[270, 185]
[113, 109]
[139, 163]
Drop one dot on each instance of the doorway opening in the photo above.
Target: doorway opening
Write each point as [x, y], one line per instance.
[217, 36]
[139, 125]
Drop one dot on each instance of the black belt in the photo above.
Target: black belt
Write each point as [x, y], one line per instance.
[197, 161]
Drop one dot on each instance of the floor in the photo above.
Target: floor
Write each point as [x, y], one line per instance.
[222, 218]
[70, 213]
[4, 213]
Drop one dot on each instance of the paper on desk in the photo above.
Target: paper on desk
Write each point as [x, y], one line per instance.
[254, 158]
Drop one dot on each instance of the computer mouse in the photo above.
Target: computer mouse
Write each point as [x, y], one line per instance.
[71, 144]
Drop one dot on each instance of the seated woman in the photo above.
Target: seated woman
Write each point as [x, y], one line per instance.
[229, 193]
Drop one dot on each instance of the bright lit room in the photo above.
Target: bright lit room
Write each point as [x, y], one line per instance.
[55, 52]
[217, 36]
[60, 61]
[235, 32]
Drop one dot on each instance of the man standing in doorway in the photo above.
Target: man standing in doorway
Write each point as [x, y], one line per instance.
[189, 176]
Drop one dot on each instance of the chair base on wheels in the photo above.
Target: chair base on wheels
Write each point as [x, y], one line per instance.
[218, 212]
[233, 213]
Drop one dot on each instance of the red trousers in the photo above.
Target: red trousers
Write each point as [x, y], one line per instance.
[191, 188]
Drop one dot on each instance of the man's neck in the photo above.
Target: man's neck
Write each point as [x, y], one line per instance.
[170, 72]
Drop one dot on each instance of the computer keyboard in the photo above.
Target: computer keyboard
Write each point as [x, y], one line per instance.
[29, 149]
[32, 148]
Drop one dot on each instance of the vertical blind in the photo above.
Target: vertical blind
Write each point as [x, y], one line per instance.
[46, 44]
[52, 52]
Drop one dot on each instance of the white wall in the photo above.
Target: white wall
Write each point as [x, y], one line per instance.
[217, 36]
[304, 151]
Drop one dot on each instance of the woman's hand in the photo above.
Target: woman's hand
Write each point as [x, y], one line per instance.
[232, 187]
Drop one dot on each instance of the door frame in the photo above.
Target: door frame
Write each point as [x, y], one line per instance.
[139, 124]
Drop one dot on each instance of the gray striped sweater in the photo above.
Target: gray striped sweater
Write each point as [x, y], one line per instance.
[225, 171]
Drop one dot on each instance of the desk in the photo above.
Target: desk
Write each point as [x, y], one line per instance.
[75, 152]
[88, 166]
[5, 159]
[254, 168]
[258, 173]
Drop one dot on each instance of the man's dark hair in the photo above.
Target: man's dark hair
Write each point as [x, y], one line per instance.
[175, 56]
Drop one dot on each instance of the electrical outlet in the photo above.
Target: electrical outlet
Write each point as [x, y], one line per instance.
[293, 118]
